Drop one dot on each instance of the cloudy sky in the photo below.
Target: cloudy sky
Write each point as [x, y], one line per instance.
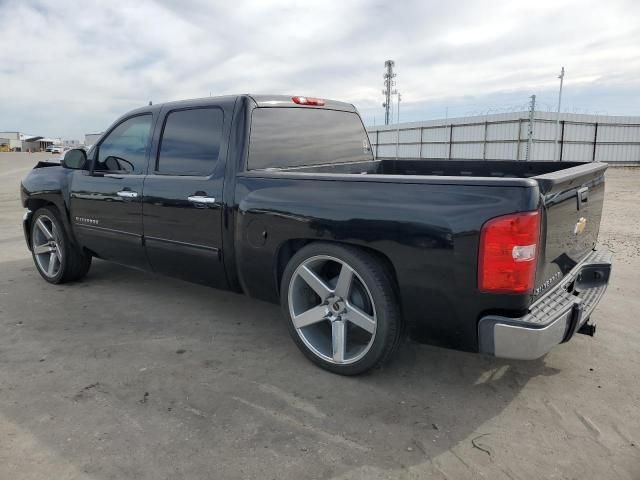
[70, 67]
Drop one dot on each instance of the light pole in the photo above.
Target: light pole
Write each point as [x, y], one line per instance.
[561, 77]
[532, 113]
[398, 126]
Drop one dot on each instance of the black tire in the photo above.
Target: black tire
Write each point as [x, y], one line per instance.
[74, 263]
[380, 284]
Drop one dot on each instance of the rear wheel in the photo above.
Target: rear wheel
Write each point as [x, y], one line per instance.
[55, 257]
[341, 307]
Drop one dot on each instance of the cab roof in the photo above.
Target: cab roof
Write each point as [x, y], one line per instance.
[259, 100]
[287, 101]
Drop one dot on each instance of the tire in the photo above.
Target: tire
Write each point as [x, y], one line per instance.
[50, 243]
[341, 307]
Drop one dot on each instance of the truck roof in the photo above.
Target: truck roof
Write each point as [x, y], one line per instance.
[261, 100]
[286, 101]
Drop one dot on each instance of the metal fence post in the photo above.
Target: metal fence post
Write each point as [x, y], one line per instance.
[450, 139]
[484, 143]
[562, 139]
[518, 141]
[595, 143]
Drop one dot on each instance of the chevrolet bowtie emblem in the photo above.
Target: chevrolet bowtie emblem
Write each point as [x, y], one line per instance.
[580, 226]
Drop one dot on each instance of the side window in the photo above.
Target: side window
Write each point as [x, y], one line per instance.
[124, 150]
[190, 142]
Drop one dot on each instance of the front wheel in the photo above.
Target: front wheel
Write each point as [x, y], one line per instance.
[56, 258]
[341, 307]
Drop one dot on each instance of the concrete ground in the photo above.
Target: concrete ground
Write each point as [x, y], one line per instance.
[128, 375]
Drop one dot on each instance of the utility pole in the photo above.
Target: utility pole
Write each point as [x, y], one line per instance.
[561, 77]
[398, 127]
[388, 89]
[532, 111]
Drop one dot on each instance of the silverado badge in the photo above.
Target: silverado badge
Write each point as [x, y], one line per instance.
[580, 226]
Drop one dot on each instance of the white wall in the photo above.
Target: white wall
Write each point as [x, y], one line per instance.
[504, 137]
[91, 138]
[13, 137]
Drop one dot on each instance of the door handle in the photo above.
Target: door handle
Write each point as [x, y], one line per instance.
[201, 199]
[127, 194]
[583, 196]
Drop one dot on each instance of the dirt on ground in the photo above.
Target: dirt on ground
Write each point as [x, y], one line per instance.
[128, 375]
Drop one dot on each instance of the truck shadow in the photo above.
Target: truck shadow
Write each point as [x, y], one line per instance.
[133, 375]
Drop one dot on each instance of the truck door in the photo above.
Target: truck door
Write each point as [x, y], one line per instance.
[182, 198]
[106, 202]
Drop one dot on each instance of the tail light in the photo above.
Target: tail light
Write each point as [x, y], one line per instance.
[308, 101]
[508, 253]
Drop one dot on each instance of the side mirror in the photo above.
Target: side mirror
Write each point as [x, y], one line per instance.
[75, 159]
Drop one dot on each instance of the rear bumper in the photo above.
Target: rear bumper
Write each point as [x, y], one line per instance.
[552, 319]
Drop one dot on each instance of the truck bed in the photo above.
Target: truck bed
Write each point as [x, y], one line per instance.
[569, 196]
[449, 168]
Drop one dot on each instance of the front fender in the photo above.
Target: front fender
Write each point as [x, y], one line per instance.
[43, 187]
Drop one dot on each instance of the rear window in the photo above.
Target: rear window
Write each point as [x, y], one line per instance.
[293, 137]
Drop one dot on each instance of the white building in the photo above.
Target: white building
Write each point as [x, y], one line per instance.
[91, 138]
[13, 138]
[22, 142]
[504, 136]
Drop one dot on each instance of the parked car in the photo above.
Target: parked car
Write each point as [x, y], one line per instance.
[55, 149]
[281, 198]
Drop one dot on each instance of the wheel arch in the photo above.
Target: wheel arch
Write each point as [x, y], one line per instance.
[289, 248]
[34, 204]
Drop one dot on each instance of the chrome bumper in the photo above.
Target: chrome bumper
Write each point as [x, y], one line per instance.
[552, 319]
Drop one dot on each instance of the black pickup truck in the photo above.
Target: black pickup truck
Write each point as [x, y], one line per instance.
[280, 198]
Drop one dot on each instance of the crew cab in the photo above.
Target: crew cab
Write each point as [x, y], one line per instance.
[280, 197]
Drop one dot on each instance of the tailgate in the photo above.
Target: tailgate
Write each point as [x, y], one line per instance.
[571, 212]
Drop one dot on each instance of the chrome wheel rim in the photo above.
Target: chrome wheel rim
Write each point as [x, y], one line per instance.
[46, 246]
[332, 309]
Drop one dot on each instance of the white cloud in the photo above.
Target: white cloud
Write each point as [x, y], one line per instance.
[67, 67]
